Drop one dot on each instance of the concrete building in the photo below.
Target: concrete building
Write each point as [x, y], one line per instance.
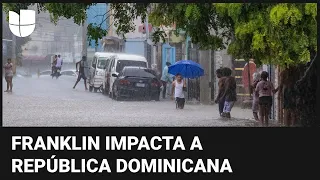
[97, 15]
[49, 39]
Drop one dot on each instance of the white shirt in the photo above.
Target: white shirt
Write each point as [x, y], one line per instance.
[59, 62]
[178, 89]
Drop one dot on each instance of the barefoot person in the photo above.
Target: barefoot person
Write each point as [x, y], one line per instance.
[255, 100]
[178, 86]
[265, 90]
[219, 100]
[82, 74]
[8, 69]
[229, 93]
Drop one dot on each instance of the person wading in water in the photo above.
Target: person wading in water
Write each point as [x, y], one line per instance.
[53, 65]
[82, 75]
[229, 93]
[8, 69]
[265, 90]
[255, 100]
[178, 87]
[220, 74]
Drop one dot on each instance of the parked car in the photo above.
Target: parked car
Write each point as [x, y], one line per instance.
[23, 73]
[97, 70]
[69, 73]
[116, 65]
[46, 73]
[136, 82]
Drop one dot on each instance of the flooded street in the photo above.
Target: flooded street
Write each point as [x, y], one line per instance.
[52, 102]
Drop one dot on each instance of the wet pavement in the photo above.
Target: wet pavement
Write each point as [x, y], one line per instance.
[52, 102]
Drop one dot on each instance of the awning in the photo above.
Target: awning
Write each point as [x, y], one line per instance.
[111, 40]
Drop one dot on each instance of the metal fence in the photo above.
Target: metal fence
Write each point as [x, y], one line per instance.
[193, 84]
[148, 52]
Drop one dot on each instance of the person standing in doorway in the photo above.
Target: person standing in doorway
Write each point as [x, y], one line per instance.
[221, 83]
[178, 86]
[8, 70]
[165, 79]
[230, 92]
[82, 73]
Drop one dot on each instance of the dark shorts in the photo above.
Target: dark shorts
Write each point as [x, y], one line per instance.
[180, 102]
[265, 100]
[8, 78]
[81, 75]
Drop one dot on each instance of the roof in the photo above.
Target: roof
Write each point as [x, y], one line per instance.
[132, 57]
[134, 67]
[68, 70]
[103, 54]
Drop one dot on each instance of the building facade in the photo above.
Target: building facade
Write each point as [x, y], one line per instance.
[96, 15]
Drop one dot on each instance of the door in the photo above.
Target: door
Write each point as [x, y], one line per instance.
[271, 71]
[105, 70]
[168, 54]
[93, 69]
[112, 71]
[108, 75]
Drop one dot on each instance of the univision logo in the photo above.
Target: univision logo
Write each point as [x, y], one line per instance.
[24, 24]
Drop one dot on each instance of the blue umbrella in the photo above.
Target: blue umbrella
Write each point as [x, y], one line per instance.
[187, 68]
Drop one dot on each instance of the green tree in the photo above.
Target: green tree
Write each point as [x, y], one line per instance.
[278, 34]
[272, 33]
[282, 33]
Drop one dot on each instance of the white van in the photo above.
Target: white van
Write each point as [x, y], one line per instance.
[99, 63]
[119, 61]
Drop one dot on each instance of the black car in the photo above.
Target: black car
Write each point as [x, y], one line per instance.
[136, 82]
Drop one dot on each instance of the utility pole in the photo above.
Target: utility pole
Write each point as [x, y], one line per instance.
[84, 38]
[187, 47]
[186, 58]
[205, 93]
[14, 57]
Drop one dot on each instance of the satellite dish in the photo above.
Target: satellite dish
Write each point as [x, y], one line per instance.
[149, 41]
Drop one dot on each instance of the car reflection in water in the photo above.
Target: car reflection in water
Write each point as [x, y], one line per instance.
[136, 82]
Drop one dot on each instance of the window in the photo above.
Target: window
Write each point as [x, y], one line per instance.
[102, 63]
[123, 63]
[137, 72]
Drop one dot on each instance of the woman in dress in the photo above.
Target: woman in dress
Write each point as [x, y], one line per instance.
[8, 69]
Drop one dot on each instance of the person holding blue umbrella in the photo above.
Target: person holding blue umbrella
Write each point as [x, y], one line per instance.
[187, 69]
